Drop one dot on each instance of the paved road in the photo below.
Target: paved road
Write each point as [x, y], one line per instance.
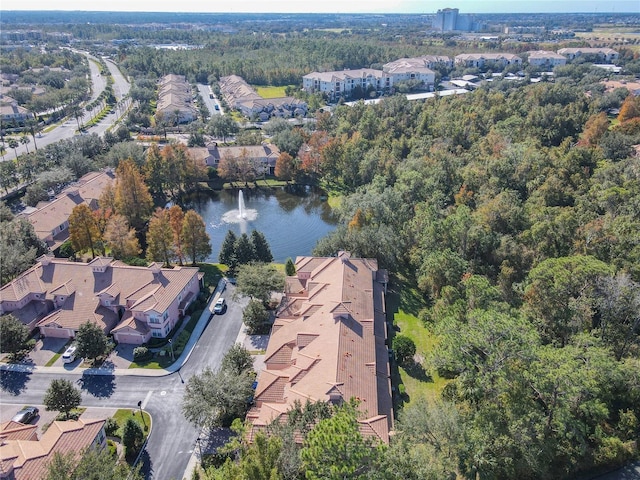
[172, 438]
[68, 129]
[205, 91]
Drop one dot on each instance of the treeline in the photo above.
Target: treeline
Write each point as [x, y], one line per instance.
[514, 214]
[264, 59]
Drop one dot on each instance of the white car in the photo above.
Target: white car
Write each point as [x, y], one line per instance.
[69, 356]
[219, 306]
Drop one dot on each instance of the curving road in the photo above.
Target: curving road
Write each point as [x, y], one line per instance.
[68, 128]
[172, 438]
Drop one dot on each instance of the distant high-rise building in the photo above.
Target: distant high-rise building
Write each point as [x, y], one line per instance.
[449, 20]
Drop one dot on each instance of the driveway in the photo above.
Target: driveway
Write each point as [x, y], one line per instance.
[45, 349]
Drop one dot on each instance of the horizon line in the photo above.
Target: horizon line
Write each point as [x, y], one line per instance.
[595, 12]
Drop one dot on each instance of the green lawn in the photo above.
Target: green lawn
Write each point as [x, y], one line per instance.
[404, 303]
[213, 272]
[123, 414]
[270, 92]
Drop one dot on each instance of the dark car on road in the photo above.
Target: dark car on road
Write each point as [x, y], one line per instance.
[26, 415]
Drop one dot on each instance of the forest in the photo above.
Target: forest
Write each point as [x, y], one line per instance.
[512, 215]
[509, 217]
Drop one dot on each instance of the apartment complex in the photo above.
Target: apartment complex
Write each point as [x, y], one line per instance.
[607, 55]
[479, 60]
[263, 157]
[240, 95]
[543, 58]
[24, 456]
[175, 100]
[132, 303]
[328, 343]
[344, 82]
[50, 220]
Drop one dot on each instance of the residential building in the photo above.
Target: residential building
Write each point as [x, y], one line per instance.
[265, 108]
[479, 60]
[411, 69]
[545, 59]
[240, 95]
[50, 220]
[132, 303]
[11, 112]
[342, 83]
[25, 457]
[263, 156]
[175, 100]
[607, 55]
[328, 343]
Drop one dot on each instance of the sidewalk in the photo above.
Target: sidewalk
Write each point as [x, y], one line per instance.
[140, 372]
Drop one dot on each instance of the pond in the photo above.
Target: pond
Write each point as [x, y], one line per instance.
[292, 219]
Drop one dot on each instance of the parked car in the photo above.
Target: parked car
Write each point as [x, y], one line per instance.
[69, 356]
[26, 415]
[219, 306]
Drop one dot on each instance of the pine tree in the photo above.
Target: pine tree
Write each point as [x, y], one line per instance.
[290, 268]
[228, 248]
[244, 251]
[261, 247]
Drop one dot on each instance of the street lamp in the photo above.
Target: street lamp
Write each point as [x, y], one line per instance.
[140, 407]
[198, 440]
[172, 357]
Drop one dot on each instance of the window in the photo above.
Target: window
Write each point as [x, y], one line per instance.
[156, 333]
[154, 320]
[165, 315]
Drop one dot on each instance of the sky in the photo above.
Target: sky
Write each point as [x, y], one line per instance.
[341, 6]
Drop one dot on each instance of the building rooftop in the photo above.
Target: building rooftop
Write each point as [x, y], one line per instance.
[29, 458]
[328, 344]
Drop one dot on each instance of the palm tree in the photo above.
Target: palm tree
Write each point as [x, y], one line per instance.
[76, 111]
[24, 140]
[32, 122]
[13, 143]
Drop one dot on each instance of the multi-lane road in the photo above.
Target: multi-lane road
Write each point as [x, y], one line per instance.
[68, 128]
[172, 438]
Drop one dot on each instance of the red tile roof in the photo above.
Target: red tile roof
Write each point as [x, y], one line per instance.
[29, 458]
[328, 344]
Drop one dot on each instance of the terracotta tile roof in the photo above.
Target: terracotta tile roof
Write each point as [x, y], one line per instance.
[328, 344]
[55, 213]
[16, 431]
[30, 458]
[76, 288]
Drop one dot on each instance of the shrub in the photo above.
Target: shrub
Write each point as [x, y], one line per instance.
[404, 348]
[140, 353]
[111, 427]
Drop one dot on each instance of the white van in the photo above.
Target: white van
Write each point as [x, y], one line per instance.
[69, 355]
